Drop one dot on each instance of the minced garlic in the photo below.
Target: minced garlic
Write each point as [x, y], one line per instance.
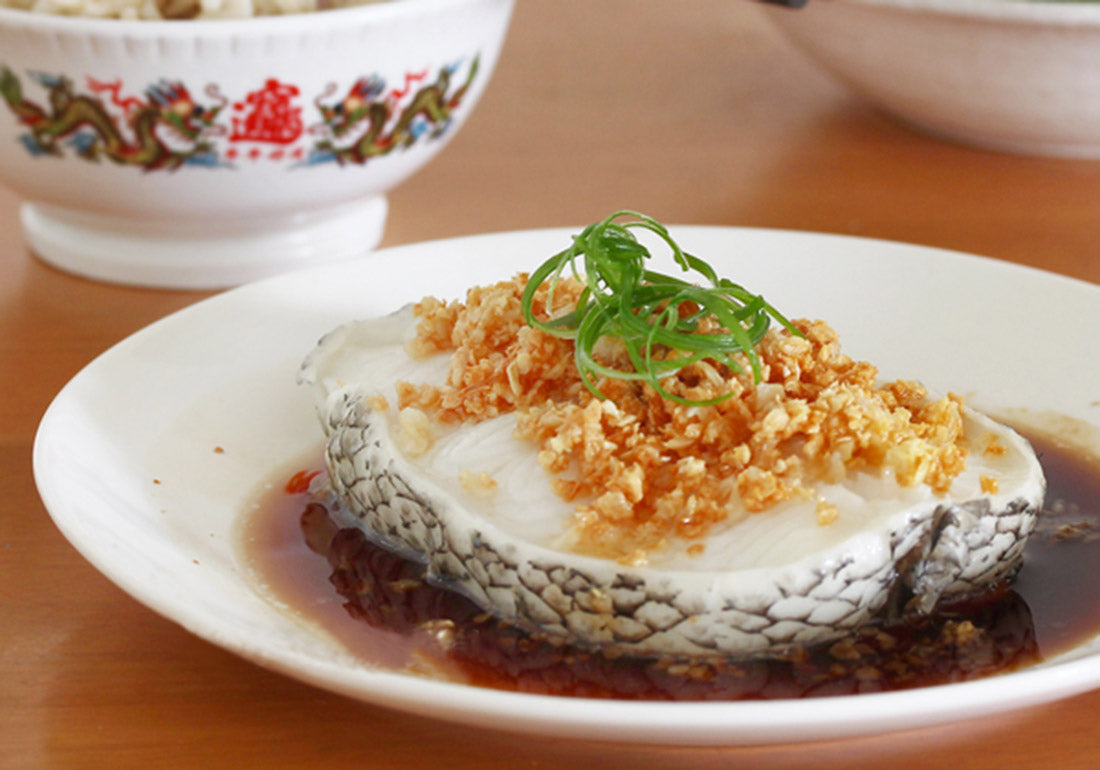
[478, 483]
[414, 434]
[642, 468]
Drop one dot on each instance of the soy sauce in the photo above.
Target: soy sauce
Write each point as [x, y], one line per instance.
[378, 606]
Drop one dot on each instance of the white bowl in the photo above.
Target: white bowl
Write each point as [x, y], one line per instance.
[1008, 75]
[203, 154]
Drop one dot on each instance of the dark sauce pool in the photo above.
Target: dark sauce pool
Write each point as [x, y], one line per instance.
[379, 607]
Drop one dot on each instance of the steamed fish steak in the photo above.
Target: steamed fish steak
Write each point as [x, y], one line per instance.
[733, 506]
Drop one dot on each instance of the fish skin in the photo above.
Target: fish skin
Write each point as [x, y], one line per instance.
[939, 551]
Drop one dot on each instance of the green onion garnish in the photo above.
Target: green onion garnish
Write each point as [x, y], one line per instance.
[655, 316]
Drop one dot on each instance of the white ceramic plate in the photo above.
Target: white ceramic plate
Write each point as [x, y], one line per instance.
[125, 456]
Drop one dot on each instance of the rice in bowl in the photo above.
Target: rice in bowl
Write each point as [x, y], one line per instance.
[177, 9]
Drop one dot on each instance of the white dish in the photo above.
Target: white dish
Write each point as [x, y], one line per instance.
[1003, 75]
[149, 456]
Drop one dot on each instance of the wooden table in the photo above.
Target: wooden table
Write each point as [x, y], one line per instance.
[696, 112]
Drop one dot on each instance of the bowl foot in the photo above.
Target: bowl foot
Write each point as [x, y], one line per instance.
[118, 251]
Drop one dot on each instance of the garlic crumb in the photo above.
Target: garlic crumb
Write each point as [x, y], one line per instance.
[991, 445]
[414, 434]
[377, 402]
[479, 483]
[441, 631]
[827, 512]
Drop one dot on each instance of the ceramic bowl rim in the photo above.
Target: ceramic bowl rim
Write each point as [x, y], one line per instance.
[372, 14]
[1004, 11]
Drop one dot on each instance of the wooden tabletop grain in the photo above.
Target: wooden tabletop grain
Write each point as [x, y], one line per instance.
[696, 112]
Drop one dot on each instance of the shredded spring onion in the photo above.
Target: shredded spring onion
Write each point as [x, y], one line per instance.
[655, 316]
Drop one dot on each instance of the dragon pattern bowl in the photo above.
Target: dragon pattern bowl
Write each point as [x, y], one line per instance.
[207, 153]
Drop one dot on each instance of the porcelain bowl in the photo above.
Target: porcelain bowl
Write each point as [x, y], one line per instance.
[1011, 75]
[207, 153]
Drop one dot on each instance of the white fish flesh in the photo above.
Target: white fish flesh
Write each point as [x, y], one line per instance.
[762, 584]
